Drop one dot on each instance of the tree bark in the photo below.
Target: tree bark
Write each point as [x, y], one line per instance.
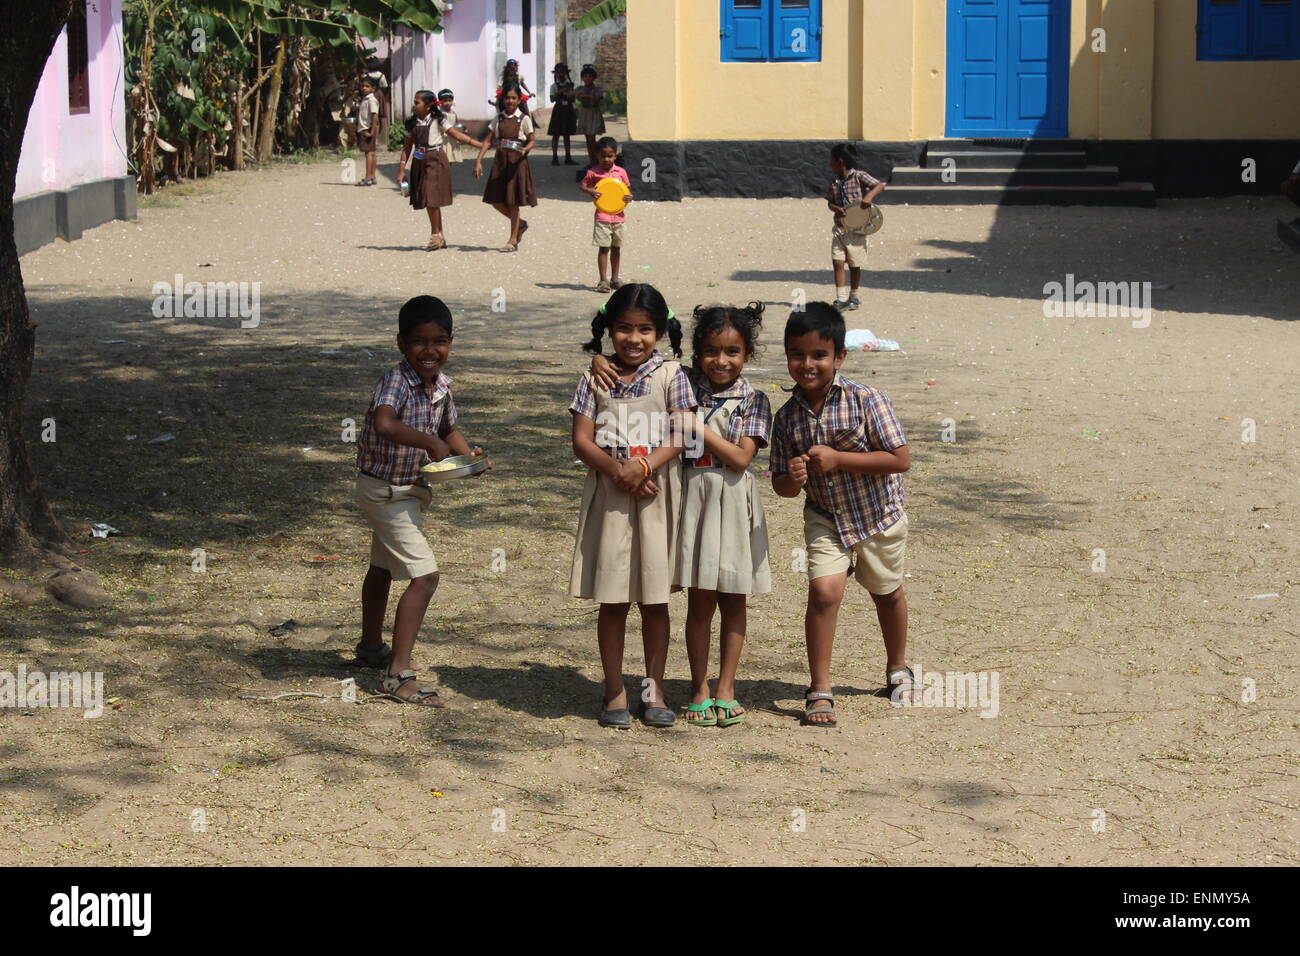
[26, 521]
[271, 110]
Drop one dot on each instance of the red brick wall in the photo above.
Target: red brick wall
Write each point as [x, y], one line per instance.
[611, 52]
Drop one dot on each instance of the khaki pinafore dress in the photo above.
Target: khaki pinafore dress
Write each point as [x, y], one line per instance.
[625, 545]
[723, 542]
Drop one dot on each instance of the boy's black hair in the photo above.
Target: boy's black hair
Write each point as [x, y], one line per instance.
[607, 142]
[716, 318]
[443, 94]
[820, 318]
[636, 295]
[846, 154]
[371, 80]
[420, 311]
[588, 68]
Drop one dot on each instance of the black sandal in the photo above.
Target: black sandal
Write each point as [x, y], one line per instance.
[621, 718]
[810, 699]
[373, 656]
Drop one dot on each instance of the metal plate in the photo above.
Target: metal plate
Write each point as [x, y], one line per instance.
[462, 466]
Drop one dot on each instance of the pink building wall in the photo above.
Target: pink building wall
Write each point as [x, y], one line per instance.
[61, 150]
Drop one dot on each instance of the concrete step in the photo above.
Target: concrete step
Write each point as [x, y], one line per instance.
[1120, 194]
[1289, 232]
[1022, 145]
[1032, 176]
[1006, 158]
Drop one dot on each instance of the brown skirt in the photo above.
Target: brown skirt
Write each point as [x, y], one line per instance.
[510, 181]
[431, 182]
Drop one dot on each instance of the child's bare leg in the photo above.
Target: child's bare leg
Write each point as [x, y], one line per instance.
[855, 277]
[614, 257]
[568, 148]
[824, 597]
[700, 606]
[406, 626]
[374, 606]
[555, 149]
[591, 147]
[891, 611]
[435, 220]
[654, 639]
[611, 624]
[371, 163]
[602, 262]
[838, 266]
[732, 640]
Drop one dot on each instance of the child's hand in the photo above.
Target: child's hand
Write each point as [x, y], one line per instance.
[823, 459]
[478, 168]
[437, 448]
[647, 489]
[865, 204]
[478, 453]
[838, 210]
[799, 470]
[602, 372]
[630, 475]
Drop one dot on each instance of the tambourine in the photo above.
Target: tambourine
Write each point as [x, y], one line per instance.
[863, 222]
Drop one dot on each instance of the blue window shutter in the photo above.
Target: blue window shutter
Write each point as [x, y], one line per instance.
[1223, 30]
[1275, 29]
[796, 30]
[745, 30]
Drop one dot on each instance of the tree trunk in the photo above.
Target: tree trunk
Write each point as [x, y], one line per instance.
[26, 522]
[237, 131]
[270, 111]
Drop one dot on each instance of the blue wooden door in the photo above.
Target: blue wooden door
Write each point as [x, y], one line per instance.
[1008, 68]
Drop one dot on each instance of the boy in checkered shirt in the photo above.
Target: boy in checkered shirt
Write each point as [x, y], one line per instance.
[850, 187]
[411, 421]
[840, 443]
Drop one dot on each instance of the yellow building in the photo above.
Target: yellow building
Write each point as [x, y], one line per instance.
[1144, 79]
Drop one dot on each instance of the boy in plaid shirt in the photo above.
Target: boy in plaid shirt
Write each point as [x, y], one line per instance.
[851, 186]
[841, 443]
[411, 421]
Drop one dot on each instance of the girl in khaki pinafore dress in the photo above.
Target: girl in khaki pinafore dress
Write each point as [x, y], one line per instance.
[430, 171]
[510, 184]
[627, 530]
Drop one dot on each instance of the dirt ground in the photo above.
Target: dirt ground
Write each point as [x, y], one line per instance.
[1122, 735]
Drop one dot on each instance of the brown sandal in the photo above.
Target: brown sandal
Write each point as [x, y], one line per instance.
[423, 696]
[509, 247]
[435, 243]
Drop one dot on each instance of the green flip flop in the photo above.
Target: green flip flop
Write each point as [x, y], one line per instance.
[728, 707]
[700, 708]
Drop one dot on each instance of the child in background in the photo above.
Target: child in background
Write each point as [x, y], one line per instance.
[510, 77]
[591, 121]
[447, 103]
[510, 184]
[608, 232]
[851, 186]
[411, 421]
[722, 549]
[841, 443]
[430, 171]
[369, 123]
[631, 501]
[564, 118]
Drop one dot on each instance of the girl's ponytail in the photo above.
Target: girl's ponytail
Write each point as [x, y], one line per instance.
[599, 325]
[674, 334]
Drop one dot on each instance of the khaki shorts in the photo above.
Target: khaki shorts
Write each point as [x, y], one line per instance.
[607, 234]
[395, 513]
[879, 559]
[848, 247]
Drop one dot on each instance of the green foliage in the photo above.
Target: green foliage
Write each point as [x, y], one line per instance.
[396, 136]
[605, 10]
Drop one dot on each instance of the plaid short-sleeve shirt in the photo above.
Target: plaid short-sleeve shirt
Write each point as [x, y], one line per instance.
[849, 191]
[426, 408]
[752, 417]
[680, 392]
[854, 418]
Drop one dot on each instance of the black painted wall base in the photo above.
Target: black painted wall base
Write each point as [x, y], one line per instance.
[67, 213]
[764, 169]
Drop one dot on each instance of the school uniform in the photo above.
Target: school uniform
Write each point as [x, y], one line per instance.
[849, 519]
[564, 118]
[847, 192]
[368, 123]
[625, 546]
[591, 121]
[511, 181]
[608, 231]
[723, 541]
[390, 490]
[429, 171]
[451, 146]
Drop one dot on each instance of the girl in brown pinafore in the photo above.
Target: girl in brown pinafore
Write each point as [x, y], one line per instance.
[430, 176]
[631, 503]
[510, 184]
